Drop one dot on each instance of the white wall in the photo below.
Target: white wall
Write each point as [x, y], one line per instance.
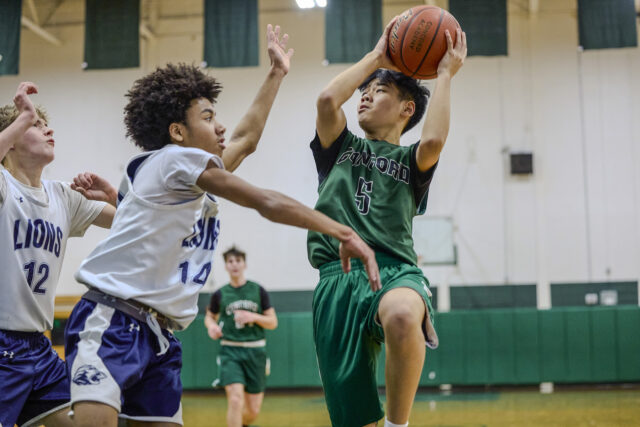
[577, 218]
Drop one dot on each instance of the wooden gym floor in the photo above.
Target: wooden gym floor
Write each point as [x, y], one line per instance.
[617, 405]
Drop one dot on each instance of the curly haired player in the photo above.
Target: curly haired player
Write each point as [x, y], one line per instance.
[145, 277]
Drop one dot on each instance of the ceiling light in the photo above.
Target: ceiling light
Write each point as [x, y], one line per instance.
[321, 3]
[305, 4]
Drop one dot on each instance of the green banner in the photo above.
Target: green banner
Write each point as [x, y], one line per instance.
[352, 28]
[231, 33]
[485, 23]
[112, 34]
[606, 24]
[10, 13]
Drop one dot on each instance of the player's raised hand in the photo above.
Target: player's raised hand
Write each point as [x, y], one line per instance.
[277, 47]
[215, 332]
[382, 47]
[355, 247]
[452, 61]
[22, 101]
[93, 187]
[242, 317]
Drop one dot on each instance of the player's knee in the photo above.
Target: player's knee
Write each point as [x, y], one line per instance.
[252, 412]
[236, 400]
[400, 322]
[94, 414]
[58, 419]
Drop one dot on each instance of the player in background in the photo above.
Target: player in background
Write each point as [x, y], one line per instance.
[144, 278]
[37, 217]
[238, 314]
[376, 186]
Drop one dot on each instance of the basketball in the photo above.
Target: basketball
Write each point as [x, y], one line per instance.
[417, 41]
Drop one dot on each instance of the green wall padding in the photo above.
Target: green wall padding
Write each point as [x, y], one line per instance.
[231, 33]
[553, 345]
[502, 346]
[573, 294]
[10, 13]
[502, 296]
[485, 23]
[627, 343]
[112, 34]
[477, 347]
[348, 39]
[604, 24]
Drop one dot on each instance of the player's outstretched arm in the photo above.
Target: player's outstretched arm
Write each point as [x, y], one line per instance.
[246, 135]
[277, 207]
[27, 117]
[331, 120]
[94, 187]
[436, 125]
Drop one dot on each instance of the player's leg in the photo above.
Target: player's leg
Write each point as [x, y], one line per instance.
[346, 352]
[95, 391]
[254, 365]
[118, 370]
[401, 313]
[252, 405]
[94, 414]
[16, 376]
[48, 399]
[58, 419]
[134, 423]
[235, 404]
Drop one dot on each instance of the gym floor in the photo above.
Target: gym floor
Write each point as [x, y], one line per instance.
[602, 405]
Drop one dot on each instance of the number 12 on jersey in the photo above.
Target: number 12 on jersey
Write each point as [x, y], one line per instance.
[42, 272]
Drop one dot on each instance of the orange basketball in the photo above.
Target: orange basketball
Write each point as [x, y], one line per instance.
[417, 41]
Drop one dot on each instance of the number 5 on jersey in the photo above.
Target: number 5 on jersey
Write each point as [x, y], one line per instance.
[363, 200]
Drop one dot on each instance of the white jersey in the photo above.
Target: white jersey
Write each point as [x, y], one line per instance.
[160, 248]
[35, 224]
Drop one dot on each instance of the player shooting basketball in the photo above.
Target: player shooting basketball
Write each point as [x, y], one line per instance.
[376, 186]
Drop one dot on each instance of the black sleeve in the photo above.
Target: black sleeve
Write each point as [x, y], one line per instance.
[420, 180]
[214, 304]
[264, 299]
[326, 158]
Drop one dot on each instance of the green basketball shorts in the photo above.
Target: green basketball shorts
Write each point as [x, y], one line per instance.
[348, 335]
[244, 366]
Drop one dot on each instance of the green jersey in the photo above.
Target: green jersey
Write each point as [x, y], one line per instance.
[250, 297]
[375, 188]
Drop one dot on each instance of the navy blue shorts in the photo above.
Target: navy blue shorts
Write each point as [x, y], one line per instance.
[34, 381]
[113, 359]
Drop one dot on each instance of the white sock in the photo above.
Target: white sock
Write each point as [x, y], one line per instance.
[388, 423]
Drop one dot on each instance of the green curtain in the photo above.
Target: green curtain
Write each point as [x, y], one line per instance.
[485, 23]
[231, 33]
[112, 34]
[605, 24]
[10, 13]
[352, 28]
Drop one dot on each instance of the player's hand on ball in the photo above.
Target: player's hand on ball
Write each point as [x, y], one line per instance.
[355, 247]
[93, 187]
[243, 317]
[452, 61]
[277, 47]
[381, 48]
[215, 332]
[21, 99]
